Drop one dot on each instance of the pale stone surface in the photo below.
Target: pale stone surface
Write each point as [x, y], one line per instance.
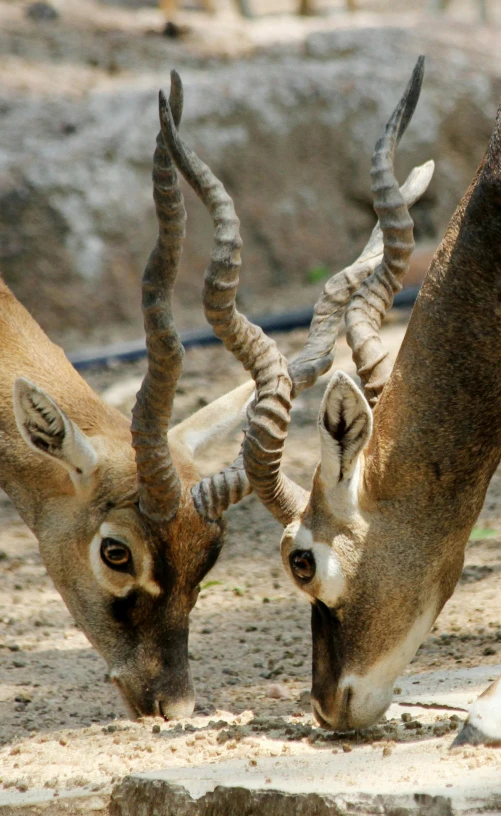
[44, 803]
[415, 778]
[314, 788]
[290, 132]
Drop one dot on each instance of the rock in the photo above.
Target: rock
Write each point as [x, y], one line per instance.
[277, 692]
[41, 11]
[300, 788]
[291, 138]
[304, 698]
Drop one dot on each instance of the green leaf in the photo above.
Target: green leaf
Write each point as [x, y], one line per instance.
[209, 584]
[238, 591]
[478, 533]
[317, 273]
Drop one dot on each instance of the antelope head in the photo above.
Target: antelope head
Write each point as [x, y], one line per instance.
[127, 531]
[331, 536]
[361, 545]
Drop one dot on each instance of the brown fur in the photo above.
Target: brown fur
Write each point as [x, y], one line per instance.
[435, 445]
[144, 636]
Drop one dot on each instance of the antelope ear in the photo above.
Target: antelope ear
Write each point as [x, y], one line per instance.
[214, 422]
[50, 432]
[345, 425]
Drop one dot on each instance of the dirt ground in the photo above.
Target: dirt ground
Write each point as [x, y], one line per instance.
[62, 723]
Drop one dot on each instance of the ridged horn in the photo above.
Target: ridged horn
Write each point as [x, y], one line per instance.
[246, 341]
[369, 305]
[317, 355]
[158, 481]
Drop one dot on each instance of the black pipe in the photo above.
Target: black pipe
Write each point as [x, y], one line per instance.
[287, 321]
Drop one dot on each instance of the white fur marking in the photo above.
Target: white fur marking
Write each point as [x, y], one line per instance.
[485, 713]
[329, 581]
[122, 583]
[372, 692]
[329, 574]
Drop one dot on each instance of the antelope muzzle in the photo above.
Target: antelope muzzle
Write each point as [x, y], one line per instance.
[158, 683]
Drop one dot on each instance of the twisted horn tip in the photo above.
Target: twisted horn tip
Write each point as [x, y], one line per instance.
[406, 107]
[176, 100]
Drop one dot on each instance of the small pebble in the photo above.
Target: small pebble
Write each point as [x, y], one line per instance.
[304, 698]
[277, 692]
[42, 11]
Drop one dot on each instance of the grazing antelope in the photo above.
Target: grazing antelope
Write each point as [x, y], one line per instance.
[128, 531]
[377, 546]
[305, 7]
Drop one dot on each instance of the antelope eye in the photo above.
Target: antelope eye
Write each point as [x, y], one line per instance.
[303, 565]
[115, 554]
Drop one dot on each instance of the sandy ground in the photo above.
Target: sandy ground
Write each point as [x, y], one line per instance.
[62, 724]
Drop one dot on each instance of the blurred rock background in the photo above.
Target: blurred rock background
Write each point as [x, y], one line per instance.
[286, 111]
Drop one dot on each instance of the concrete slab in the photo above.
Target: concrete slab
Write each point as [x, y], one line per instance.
[409, 781]
[444, 689]
[406, 772]
[51, 803]
[419, 777]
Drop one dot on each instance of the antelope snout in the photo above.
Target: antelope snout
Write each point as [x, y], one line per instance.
[156, 685]
[161, 697]
[354, 704]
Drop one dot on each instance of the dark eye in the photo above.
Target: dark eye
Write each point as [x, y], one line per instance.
[303, 565]
[115, 554]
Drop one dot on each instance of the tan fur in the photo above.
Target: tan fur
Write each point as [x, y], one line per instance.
[422, 477]
[145, 637]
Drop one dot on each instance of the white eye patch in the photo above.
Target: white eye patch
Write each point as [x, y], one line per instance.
[328, 583]
[330, 579]
[120, 583]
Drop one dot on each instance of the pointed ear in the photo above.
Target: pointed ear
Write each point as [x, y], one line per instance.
[214, 422]
[345, 425]
[48, 430]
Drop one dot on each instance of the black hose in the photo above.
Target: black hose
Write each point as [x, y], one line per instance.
[287, 321]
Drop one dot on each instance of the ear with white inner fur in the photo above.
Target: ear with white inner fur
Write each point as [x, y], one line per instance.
[49, 431]
[215, 421]
[345, 425]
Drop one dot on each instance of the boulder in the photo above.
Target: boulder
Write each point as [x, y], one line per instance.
[290, 132]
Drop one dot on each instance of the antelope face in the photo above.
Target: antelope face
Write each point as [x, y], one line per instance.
[369, 615]
[366, 623]
[129, 581]
[131, 585]
[132, 588]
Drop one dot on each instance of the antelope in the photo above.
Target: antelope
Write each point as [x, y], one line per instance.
[127, 528]
[377, 544]
[304, 8]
